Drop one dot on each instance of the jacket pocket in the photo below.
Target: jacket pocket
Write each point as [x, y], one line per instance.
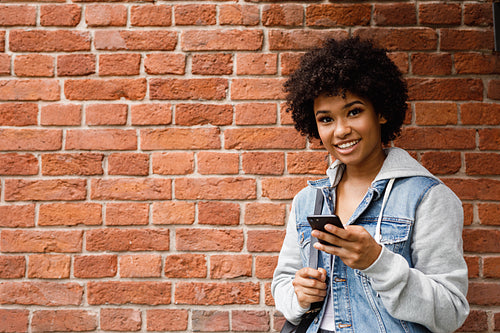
[395, 232]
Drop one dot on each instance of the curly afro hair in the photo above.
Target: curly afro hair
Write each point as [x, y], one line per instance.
[349, 65]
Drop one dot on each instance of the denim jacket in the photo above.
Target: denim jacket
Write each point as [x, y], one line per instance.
[419, 281]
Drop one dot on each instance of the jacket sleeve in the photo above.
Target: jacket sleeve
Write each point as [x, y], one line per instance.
[433, 292]
[289, 262]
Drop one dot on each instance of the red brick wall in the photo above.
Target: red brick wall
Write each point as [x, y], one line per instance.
[147, 164]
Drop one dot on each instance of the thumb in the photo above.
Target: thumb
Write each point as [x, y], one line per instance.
[323, 273]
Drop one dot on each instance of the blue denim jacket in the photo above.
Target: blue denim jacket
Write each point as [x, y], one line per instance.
[361, 301]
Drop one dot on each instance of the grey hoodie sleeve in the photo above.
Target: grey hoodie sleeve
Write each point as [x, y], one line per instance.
[289, 262]
[433, 293]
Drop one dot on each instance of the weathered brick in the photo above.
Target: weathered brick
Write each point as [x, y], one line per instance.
[127, 240]
[165, 63]
[17, 216]
[283, 15]
[431, 64]
[255, 114]
[230, 266]
[210, 163]
[461, 39]
[49, 266]
[41, 293]
[200, 293]
[235, 14]
[441, 163]
[265, 214]
[125, 292]
[132, 164]
[44, 189]
[300, 39]
[489, 139]
[250, 320]
[218, 213]
[195, 14]
[473, 266]
[494, 89]
[265, 266]
[120, 319]
[139, 40]
[84, 164]
[173, 163]
[131, 189]
[151, 114]
[476, 63]
[265, 240]
[14, 320]
[61, 115]
[263, 163]
[482, 163]
[29, 90]
[11, 267]
[109, 89]
[481, 240]
[99, 15]
[437, 138]
[190, 89]
[70, 214]
[106, 114]
[290, 62]
[263, 138]
[167, 319]
[41, 241]
[401, 39]
[173, 212]
[119, 64]
[18, 114]
[489, 213]
[64, 320]
[210, 321]
[67, 15]
[95, 266]
[484, 293]
[17, 15]
[222, 40]
[186, 265]
[101, 139]
[334, 15]
[18, 164]
[439, 13]
[180, 138]
[474, 189]
[397, 14]
[49, 41]
[477, 321]
[478, 14]
[145, 15]
[283, 188]
[203, 114]
[34, 65]
[140, 266]
[127, 213]
[491, 267]
[214, 188]
[260, 88]
[432, 113]
[75, 64]
[190, 239]
[212, 64]
[307, 163]
[256, 64]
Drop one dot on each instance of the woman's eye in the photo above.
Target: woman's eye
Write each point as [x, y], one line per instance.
[355, 112]
[324, 120]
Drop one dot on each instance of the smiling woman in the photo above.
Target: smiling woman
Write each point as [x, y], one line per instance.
[401, 246]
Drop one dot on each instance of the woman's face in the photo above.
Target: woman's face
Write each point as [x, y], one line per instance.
[349, 128]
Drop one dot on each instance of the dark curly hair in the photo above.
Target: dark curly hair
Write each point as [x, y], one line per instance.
[349, 65]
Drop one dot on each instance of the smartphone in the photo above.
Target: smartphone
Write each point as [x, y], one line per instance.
[318, 222]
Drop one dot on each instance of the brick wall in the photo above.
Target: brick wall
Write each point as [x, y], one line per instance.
[147, 163]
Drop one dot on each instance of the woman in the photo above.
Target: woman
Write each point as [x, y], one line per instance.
[397, 266]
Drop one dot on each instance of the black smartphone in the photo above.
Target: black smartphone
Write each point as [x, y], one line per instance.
[318, 222]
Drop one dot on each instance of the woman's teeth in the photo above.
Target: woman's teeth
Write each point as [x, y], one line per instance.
[348, 144]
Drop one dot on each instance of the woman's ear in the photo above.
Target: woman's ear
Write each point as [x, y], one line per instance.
[381, 119]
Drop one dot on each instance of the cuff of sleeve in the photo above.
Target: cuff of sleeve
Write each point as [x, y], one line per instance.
[388, 267]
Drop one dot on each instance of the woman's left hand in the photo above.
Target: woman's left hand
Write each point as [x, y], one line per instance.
[354, 245]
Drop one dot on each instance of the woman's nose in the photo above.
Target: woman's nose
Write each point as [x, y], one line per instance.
[342, 129]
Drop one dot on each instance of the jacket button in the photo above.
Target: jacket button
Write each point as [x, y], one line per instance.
[316, 320]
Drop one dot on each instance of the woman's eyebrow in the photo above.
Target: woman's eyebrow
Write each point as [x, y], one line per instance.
[348, 105]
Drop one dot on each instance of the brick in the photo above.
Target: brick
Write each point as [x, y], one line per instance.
[283, 188]
[431, 64]
[210, 163]
[189, 89]
[41, 241]
[64, 320]
[436, 138]
[49, 41]
[477, 321]
[106, 114]
[66, 15]
[18, 164]
[165, 63]
[474, 189]
[286, 117]
[103, 15]
[476, 63]
[185, 265]
[468, 40]
[30, 139]
[222, 40]
[180, 138]
[398, 14]
[482, 163]
[234, 14]
[192, 14]
[261, 88]
[263, 138]
[478, 14]
[494, 89]
[489, 213]
[119, 240]
[290, 62]
[497, 321]
[190, 239]
[250, 320]
[481, 240]
[29, 90]
[215, 188]
[255, 114]
[12, 15]
[473, 266]
[34, 65]
[75, 64]
[491, 267]
[147, 15]
[2, 41]
[432, 113]
[41, 293]
[151, 114]
[5, 64]
[210, 321]
[218, 213]
[131, 189]
[489, 139]
[140, 266]
[224, 293]
[203, 114]
[119, 64]
[401, 39]
[101, 139]
[265, 266]
[61, 115]
[173, 163]
[256, 64]
[265, 240]
[442, 163]
[335, 15]
[127, 213]
[307, 163]
[128, 292]
[119, 319]
[268, 297]
[132, 164]
[49, 266]
[95, 266]
[44, 190]
[109, 89]
[11, 267]
[400, 59]
[174, 212]
[17, 216]
[288, 15]
[14, 320]
[139, 40]
[230, 266]
[167, 319]
[263, 163]
[484, 293]
[84, 164]
[212, 64]
[70, 214]
[265, 214]
[440, 14]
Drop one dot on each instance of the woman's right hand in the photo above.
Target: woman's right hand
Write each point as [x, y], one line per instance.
[310, 286]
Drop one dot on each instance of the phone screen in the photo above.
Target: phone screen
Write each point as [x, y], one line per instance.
[318, 222]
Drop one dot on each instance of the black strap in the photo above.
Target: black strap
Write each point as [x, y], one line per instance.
[313, 252]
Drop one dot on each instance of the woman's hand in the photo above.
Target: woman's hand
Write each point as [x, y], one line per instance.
[355, 246]
[310, 286]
